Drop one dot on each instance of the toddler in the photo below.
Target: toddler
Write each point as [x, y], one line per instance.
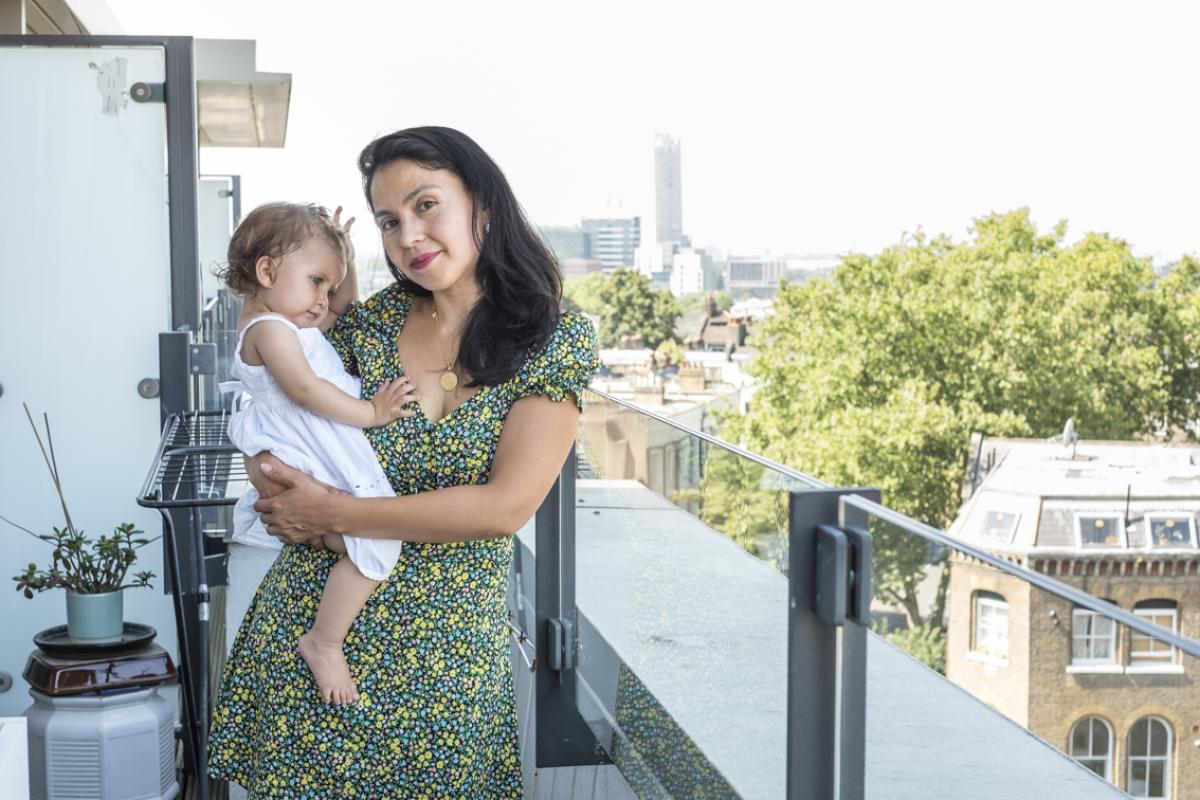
[287, 261]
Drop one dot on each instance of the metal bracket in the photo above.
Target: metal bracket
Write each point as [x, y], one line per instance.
[860, 583]
[564, 640]
[203, 599]
[144, 92]
[831, 593]
[202, 359]
[843, 575]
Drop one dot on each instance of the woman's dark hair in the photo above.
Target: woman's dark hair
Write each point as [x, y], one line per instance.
[519, 277]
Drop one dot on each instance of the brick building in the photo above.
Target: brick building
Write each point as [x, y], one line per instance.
[1118, 520]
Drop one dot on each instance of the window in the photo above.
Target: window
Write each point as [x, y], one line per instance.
[991, 625]
[1171, 530]
[1100, 530]
[1145, 649]
[1093, 638]
[1090, 744]
[999, 526]
[1149, 758]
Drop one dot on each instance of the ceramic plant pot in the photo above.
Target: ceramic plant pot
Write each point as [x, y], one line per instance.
[95, 616]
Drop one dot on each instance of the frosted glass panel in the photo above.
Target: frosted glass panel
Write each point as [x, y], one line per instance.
[86, 277]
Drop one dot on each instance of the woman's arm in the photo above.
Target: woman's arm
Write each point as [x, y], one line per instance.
[278, 348]
[537, 436]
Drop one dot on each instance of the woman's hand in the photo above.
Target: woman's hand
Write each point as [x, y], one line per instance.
[300, 512]
[345, 228]
[260, 480]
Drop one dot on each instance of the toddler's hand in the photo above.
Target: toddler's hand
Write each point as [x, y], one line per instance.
[390, 400]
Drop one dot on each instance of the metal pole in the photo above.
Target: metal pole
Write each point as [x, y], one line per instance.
[826, 705]
[563, 737]
[182, 179]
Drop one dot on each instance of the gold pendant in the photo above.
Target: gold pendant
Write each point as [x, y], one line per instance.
[448, 381]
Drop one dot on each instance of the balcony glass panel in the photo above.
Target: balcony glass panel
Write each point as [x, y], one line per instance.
[681, 547]
[1073, 677]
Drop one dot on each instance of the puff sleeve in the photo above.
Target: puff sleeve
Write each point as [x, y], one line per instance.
[566, 365]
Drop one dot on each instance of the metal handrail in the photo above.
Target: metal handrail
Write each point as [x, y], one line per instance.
[904, 522]
[814, 483]
[1045, 582]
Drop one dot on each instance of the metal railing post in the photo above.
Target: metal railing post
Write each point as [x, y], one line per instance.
[828, 618]
[563, 737]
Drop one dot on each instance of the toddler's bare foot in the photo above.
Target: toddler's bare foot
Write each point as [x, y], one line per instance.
[329, 667]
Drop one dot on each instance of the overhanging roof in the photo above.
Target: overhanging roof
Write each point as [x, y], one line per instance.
[236, 105]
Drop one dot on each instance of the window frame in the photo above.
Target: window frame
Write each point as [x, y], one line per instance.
[1108, 757]
[1091, 661]
[985, 598]
[1187, 515]
[1150, 759]
[1124, 534]
[1142, 609]
[981, 532]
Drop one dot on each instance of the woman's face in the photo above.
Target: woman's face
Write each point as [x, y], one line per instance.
[424, 216]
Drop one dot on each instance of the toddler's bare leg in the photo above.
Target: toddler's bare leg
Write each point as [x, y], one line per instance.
[346, 592]
[334, 542]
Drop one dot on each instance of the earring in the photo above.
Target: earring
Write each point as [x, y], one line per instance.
[487, 227]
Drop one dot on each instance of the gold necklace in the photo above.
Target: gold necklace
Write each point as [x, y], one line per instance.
[448, 379]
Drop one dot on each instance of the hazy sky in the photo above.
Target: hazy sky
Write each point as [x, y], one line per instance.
[821, 128]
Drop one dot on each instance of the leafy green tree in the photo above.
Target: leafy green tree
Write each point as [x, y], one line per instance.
[925, 642]
[878, 374]
[583, 294]
[736, 497]
[631, 306]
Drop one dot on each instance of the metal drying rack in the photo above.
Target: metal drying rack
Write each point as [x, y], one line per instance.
[196, 467]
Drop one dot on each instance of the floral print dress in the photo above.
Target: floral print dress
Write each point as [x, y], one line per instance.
[429, 651]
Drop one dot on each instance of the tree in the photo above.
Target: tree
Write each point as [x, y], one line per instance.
[879, 374]
[631, 306]
[583, 294]
[736, 496]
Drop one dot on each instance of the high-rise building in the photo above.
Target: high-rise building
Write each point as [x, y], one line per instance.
[614, 239]
[568, 242]
[668, 190]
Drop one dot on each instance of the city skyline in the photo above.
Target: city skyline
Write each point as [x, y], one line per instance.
[792, 146]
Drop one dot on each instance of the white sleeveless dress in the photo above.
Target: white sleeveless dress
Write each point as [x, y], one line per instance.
[332, 452]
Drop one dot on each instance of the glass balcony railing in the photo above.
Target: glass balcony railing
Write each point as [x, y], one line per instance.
[1084, 652]
[704, 620]
[680, 559]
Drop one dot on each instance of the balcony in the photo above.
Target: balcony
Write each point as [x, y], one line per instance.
[689, 620]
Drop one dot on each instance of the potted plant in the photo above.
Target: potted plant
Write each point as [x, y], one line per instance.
[94, 573]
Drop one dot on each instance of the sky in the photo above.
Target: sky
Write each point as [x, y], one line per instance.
[806, 128]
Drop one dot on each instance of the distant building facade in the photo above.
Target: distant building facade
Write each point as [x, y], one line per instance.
[687, 273]
[611, 241]
[1118, 520]
[614, 240]
[755, 275]
[568, 242]
[668, 190]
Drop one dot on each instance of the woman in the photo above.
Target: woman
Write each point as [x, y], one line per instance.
[474, 319]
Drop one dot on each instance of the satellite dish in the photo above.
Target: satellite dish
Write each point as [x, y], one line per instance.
[1069, 436]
